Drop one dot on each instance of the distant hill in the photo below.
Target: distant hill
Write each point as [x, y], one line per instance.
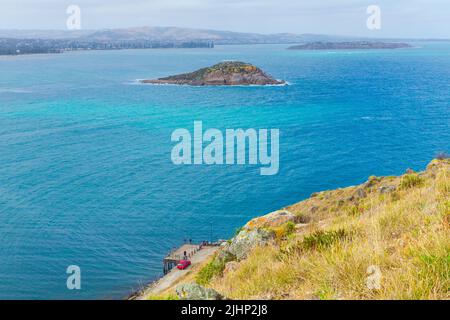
[170, 34]
[187, 34]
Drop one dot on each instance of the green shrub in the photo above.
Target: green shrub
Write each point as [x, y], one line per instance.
[213, 269]
[289, 228]
[411, 180]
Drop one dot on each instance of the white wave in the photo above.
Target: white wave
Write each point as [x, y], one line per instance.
[139, 82]
[368, 118]
[15, 90]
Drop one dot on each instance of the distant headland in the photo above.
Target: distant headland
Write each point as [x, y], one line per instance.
[229, 73]
[353, 45]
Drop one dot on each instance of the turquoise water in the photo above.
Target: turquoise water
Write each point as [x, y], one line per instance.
[85, 171]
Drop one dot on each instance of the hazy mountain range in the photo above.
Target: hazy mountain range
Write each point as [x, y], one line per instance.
[186, 34]
[174, 34]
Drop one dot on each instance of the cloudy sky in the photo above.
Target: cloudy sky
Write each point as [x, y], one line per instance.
[400, 18]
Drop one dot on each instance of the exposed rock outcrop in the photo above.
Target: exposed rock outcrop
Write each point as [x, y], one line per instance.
[257, 232]
[271, 220]
[194, 291]
[247, 240]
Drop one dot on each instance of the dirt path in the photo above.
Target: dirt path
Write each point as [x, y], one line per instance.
[175, 276]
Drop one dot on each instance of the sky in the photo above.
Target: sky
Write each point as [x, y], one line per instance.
[399, 18]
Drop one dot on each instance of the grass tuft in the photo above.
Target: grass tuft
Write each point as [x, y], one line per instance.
[324, 239]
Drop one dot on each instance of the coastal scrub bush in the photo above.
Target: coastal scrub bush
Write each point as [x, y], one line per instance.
[213, 269]
[289, 228]
[411, 180]
[324, 239]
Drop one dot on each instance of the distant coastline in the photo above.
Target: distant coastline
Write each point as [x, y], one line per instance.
[14, 47]
[354, 45]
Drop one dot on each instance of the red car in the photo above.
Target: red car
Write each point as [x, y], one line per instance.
[183, 264]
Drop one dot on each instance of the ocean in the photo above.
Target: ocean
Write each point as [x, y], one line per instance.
[86, 176]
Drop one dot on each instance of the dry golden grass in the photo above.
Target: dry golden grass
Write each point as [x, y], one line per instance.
[403, 233]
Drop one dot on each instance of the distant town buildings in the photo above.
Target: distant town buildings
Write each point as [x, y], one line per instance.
[9, 46]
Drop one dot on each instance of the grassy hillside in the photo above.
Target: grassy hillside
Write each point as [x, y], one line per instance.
[386, 239]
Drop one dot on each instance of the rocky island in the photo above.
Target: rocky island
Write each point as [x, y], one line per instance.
[354, 45]
[229, 73]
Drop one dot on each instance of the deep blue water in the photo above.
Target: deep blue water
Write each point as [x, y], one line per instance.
[85, 171]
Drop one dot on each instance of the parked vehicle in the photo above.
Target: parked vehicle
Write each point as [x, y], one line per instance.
[183, 264]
